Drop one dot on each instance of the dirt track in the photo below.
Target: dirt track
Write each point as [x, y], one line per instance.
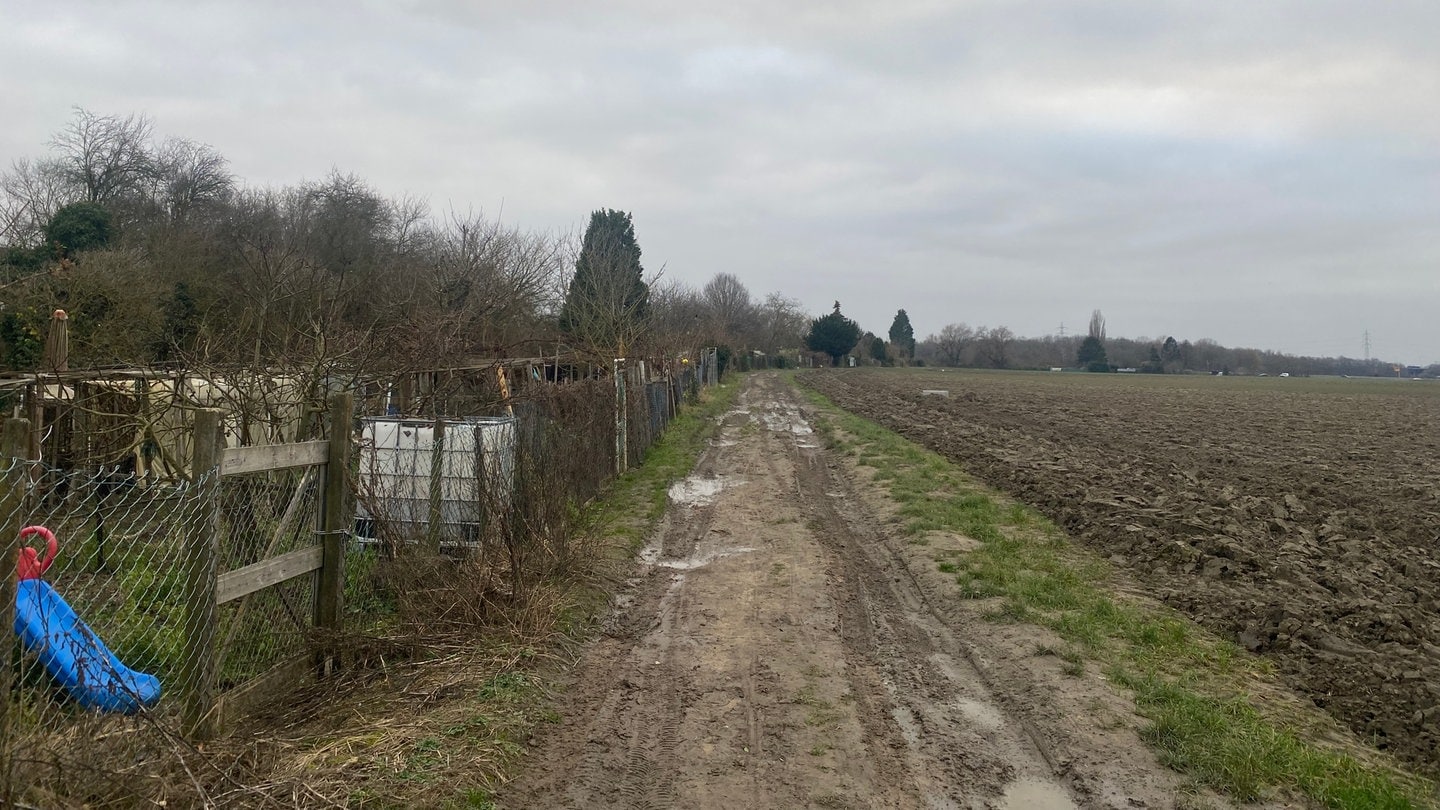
[778, 648]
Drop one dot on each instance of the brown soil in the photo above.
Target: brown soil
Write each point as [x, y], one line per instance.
[780, 648]
[1298, 517]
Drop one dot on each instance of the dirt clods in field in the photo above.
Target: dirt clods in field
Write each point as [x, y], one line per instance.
[1298, 518]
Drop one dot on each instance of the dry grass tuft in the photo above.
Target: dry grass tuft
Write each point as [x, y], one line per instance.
[443, 724]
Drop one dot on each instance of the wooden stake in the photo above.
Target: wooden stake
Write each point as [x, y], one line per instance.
[197, 668]
[335, 524]
[505, 390]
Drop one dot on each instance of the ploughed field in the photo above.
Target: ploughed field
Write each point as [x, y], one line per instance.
[1299, 517]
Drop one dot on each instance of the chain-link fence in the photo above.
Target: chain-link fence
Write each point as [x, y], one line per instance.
[263, 516]
[142, 602]
[110, 550]
[166, 599]
[100, 617]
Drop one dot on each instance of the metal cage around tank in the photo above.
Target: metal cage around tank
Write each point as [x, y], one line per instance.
[434, 479]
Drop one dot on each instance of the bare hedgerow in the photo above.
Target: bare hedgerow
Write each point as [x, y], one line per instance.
[521, 536]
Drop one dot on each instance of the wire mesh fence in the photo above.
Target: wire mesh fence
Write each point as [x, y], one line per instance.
[103, 683]
[262, 516]
[100, 620]
[122, 634]
[110, 553]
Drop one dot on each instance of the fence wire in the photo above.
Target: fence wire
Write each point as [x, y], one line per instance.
[127, 553]
[100, 617]
[112, 607]
[118, 564]
[264, 515]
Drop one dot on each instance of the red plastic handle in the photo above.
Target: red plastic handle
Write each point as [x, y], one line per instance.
[31, 565]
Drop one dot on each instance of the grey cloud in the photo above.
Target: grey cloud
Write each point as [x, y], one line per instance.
[1263, 173]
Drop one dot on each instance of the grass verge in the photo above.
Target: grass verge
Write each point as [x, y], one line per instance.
[1193, 688]
[635, 502]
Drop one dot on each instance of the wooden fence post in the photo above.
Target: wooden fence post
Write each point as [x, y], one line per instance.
[335, 524]
[13, 481]
[35, 418]
[622, 444]
[197, 670]
[437, 486]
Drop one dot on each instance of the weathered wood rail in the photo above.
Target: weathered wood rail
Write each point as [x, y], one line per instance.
[204, 710]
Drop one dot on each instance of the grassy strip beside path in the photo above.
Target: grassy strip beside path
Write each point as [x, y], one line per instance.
[1193, 687]
[634, 503]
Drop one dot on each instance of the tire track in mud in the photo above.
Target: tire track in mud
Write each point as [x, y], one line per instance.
[927, 675]
[776, 650]
[637, 776]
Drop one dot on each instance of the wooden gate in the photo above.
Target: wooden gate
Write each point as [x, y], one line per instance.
[205, 709]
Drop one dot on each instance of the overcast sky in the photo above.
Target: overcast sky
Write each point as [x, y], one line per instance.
[1260, 173]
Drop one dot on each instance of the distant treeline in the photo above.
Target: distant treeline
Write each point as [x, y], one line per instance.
[960, 345]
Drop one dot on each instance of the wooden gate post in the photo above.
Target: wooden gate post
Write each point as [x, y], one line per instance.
[13, 481]
[335, 524]
[436, 515]
[622, 443]
[197, 669]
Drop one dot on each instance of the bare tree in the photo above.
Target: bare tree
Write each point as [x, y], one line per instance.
[1207, 355]
[679, 316]
[105, 156]
[408, 216]
[187, 175]
[732, 315]
[30, 194]
[1097, 326]
[995, 346]
[784, 323]
[952, 343]
[489, 284]
[270, 269]
[349, 222]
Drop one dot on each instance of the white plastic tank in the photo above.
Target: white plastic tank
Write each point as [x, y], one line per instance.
[397, 472]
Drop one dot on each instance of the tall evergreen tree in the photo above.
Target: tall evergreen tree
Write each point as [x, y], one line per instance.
[1172, 356]
[879, 352]
[1092, 349]
[902, 336]
[608, 304]
[1092, 354]
[834, 334]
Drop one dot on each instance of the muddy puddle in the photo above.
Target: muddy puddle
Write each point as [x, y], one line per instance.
[699, 490]
[1034, 794]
